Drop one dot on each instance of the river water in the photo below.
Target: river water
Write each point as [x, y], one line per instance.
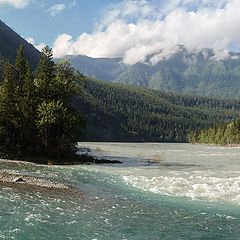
[186, 192]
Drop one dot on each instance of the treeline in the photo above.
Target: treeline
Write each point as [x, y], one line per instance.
[36, 113]
[224, 134]
[139, 114]
[39, 110]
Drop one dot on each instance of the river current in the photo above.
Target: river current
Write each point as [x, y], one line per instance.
[161, 191]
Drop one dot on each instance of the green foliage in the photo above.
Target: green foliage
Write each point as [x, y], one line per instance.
[115, 112]
[224, 134]
[21, 69]
[8, 106]
[45, 75]
[36, 113]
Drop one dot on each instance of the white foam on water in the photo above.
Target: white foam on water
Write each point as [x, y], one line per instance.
[200, 187]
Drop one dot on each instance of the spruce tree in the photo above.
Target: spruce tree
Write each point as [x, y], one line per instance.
[21, 69]
[57, 122]
[36, 112]
[28, 107]
[8, 113]
[45, 75]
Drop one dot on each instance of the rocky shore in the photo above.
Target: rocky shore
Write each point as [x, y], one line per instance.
[35, 183]
[40, 184]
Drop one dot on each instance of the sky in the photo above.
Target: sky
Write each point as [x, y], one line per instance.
[135, 30]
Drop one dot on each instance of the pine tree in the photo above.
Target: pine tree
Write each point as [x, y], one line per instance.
[63, 85]
[8, 114]
[28, 108]
[57, 122]
[45, 75]
[21, 69]
[57, 125]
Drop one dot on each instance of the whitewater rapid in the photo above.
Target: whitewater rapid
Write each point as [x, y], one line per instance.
[192, 171]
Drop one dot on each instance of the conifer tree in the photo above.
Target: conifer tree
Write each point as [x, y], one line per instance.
[21, 69]
[56, 124]
[45, 75]
[64, 82]
[8, 105]
[36, 111]
[28, 107]
[56, 119]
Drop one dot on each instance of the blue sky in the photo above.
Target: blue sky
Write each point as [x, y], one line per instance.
[34, 20]
[135, 30]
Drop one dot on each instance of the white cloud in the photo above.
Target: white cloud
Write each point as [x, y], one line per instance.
[39, 46]
[72, 4]
[136, 30]
[220, 54]
[15, 3]
[56, 9]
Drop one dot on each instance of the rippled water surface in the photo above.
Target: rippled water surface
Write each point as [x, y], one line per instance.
[192, 193]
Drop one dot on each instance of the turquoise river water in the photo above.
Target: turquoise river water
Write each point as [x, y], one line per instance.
[193, 192]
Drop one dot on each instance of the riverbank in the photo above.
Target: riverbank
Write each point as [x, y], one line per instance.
[71, 159]
[35, 183]
[40, 184]
[217, 145]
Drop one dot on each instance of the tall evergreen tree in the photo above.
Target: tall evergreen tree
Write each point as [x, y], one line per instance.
[36, 111]
[56, 125]
[45, 75]
[28, 108]
[8, 105]
[56, 119]
[21, 69]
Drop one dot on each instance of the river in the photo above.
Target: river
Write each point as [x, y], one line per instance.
[186, 192]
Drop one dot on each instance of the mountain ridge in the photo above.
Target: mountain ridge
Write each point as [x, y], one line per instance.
[197, 73]
[10, 42]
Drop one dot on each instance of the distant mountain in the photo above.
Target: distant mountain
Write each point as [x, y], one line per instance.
[197, 73]
[10, 42]
[100, 68]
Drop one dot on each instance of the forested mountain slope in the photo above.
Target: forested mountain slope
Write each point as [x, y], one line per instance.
[10, 42]
[118, 112]
[199, 73]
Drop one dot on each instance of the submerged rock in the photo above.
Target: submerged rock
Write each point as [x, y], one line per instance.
[102, 161]
[18, 179]
[87, 159]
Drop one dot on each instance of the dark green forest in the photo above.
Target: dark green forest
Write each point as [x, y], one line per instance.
[115, 112]
[47, 110]
[36, 113]
[223, 134]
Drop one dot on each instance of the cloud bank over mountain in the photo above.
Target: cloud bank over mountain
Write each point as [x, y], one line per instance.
[136, 30]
